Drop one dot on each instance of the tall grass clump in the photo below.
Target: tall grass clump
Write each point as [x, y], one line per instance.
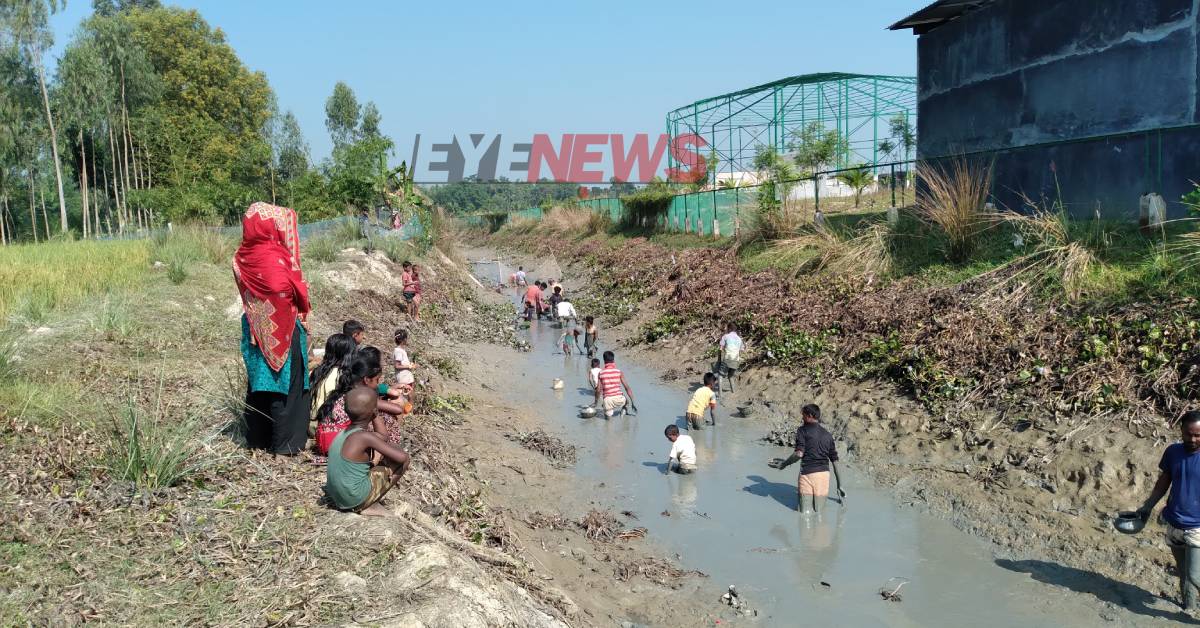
[8, 356]
[48, 276]
[953, 199]
[346, 233]
[193, 243]
[818, 249]
[113, 320]
[155, 451]
[322, 249]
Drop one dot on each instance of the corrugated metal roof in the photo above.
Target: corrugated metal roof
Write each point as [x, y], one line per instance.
[937, 14]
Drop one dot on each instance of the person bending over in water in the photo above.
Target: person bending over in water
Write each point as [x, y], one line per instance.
[683, 451]
[1179, 481]
[351, 482]
[612, 383]
[703, 399]
[816, 452]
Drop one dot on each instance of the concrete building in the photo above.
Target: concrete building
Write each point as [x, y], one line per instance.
[1097, 98]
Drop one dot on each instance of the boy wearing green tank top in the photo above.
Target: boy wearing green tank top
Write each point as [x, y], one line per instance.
[351, 482]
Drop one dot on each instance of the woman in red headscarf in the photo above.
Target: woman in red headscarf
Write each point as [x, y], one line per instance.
[274, 339]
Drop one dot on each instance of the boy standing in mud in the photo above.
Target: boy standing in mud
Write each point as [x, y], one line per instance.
[816, 453]
[1179, 480]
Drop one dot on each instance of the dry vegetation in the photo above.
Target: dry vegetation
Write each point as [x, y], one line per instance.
[126, 494]
[957, 303]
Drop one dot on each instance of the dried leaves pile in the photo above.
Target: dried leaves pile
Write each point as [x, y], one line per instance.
[991, 341]
[552, 447]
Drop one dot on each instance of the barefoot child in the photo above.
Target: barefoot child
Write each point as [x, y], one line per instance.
[703, 399]
[351, 482]
[594, 374]
[590, 335]
[404, 366]
[569, 339]
[683, 451]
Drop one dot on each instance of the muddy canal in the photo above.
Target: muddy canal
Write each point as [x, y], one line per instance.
[736, 519]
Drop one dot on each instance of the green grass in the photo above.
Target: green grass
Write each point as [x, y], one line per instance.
[153, 450]
[1128, 265]
[36, 279]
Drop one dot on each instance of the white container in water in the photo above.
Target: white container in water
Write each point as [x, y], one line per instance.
[557, 384]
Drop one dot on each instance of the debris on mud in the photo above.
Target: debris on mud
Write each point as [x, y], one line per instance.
[552, 447]
[655, 570]
[891, 589]
[547, 521]
[781, 434]
[600, 525]
[632, 533]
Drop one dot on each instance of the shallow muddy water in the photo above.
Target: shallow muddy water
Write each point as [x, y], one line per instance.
[735, 519]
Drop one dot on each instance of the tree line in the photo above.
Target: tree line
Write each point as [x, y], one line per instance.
[150, 117]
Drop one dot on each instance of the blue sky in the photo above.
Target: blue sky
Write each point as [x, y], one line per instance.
[443, 68]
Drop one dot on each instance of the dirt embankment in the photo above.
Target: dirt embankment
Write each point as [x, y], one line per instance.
[987, 409]
[525, 545]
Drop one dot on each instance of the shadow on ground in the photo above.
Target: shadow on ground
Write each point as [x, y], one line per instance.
[785, 494]
[1130, 597]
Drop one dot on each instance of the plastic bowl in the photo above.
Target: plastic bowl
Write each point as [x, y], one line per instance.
[1129, 522]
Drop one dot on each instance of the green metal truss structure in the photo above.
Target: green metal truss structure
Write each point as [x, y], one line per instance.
[858, 106]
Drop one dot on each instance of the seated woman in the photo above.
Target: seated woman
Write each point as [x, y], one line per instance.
[365, 370]
[339, 351]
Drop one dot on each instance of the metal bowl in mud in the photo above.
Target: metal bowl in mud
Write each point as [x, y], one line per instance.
[1129, 522]
[587, 413]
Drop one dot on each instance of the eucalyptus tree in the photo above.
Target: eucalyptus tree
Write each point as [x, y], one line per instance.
[342, 115]
[83, 90]
[25, 23]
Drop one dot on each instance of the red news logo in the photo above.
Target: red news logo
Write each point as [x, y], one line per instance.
[578, 157]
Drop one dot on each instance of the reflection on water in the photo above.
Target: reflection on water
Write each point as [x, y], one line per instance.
[736, 518]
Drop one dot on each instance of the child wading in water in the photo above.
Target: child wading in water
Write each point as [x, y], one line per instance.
[683, 451]
[703, 399]
[569, 339]
[594, 374]
[351, 482]
[590, 335]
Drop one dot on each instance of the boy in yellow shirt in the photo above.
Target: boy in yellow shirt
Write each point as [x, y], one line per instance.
[702, 398]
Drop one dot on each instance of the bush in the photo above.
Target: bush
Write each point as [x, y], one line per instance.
[644, 208]
[953, 197]
[323, 249]
[176, 270]
[152, 451]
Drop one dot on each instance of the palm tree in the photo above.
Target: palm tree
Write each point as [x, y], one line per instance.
[858, 178]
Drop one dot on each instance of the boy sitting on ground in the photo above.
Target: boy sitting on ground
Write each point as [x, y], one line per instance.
[351, 482]
[354, 330]
[704, 397]
[683, 451]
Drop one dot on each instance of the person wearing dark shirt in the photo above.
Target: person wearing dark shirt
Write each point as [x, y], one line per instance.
[816, 453]
[1179, 481]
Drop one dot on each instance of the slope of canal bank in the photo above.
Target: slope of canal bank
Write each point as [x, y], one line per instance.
[869, 416]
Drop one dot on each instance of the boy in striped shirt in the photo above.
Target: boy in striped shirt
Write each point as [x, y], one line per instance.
[613, 390]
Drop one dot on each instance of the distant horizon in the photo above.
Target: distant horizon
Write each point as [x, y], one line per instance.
[609, 78]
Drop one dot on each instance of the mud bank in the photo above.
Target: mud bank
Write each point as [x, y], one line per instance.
[498, 540]
[1041, 490]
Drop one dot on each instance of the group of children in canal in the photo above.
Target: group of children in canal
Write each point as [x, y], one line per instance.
[814, 445]
[357, 418]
